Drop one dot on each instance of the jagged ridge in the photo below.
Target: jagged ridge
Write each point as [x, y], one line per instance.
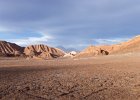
[10, 49]
[43, 51]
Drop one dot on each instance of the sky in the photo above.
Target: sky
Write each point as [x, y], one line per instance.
[69, 23]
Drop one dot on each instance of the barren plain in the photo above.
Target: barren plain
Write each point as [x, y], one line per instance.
[97, 78]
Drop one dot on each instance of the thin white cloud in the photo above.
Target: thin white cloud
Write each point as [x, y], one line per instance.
[109, 41]
[71, 22]
[31, 40]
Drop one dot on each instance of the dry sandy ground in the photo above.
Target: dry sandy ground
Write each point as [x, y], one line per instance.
[98, 78]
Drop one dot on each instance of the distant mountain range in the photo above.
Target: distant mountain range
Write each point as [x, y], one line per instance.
[8, 49]
[67, 50]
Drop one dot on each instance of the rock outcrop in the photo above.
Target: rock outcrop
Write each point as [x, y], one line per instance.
[92, 51]
[43, 51]
[10, 49]
[130, 46]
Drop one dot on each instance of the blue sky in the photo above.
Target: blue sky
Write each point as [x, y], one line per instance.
[69, 23]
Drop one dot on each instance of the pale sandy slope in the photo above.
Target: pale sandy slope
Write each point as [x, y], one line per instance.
[98, 78]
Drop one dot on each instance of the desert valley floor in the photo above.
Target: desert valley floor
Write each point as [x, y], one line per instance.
[98, 78]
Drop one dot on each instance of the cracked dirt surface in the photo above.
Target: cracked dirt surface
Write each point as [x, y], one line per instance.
[99, 78]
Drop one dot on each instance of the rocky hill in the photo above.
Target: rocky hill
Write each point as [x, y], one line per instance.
[10, 49]
[92, 51]
[43, 51]
[130, 46]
